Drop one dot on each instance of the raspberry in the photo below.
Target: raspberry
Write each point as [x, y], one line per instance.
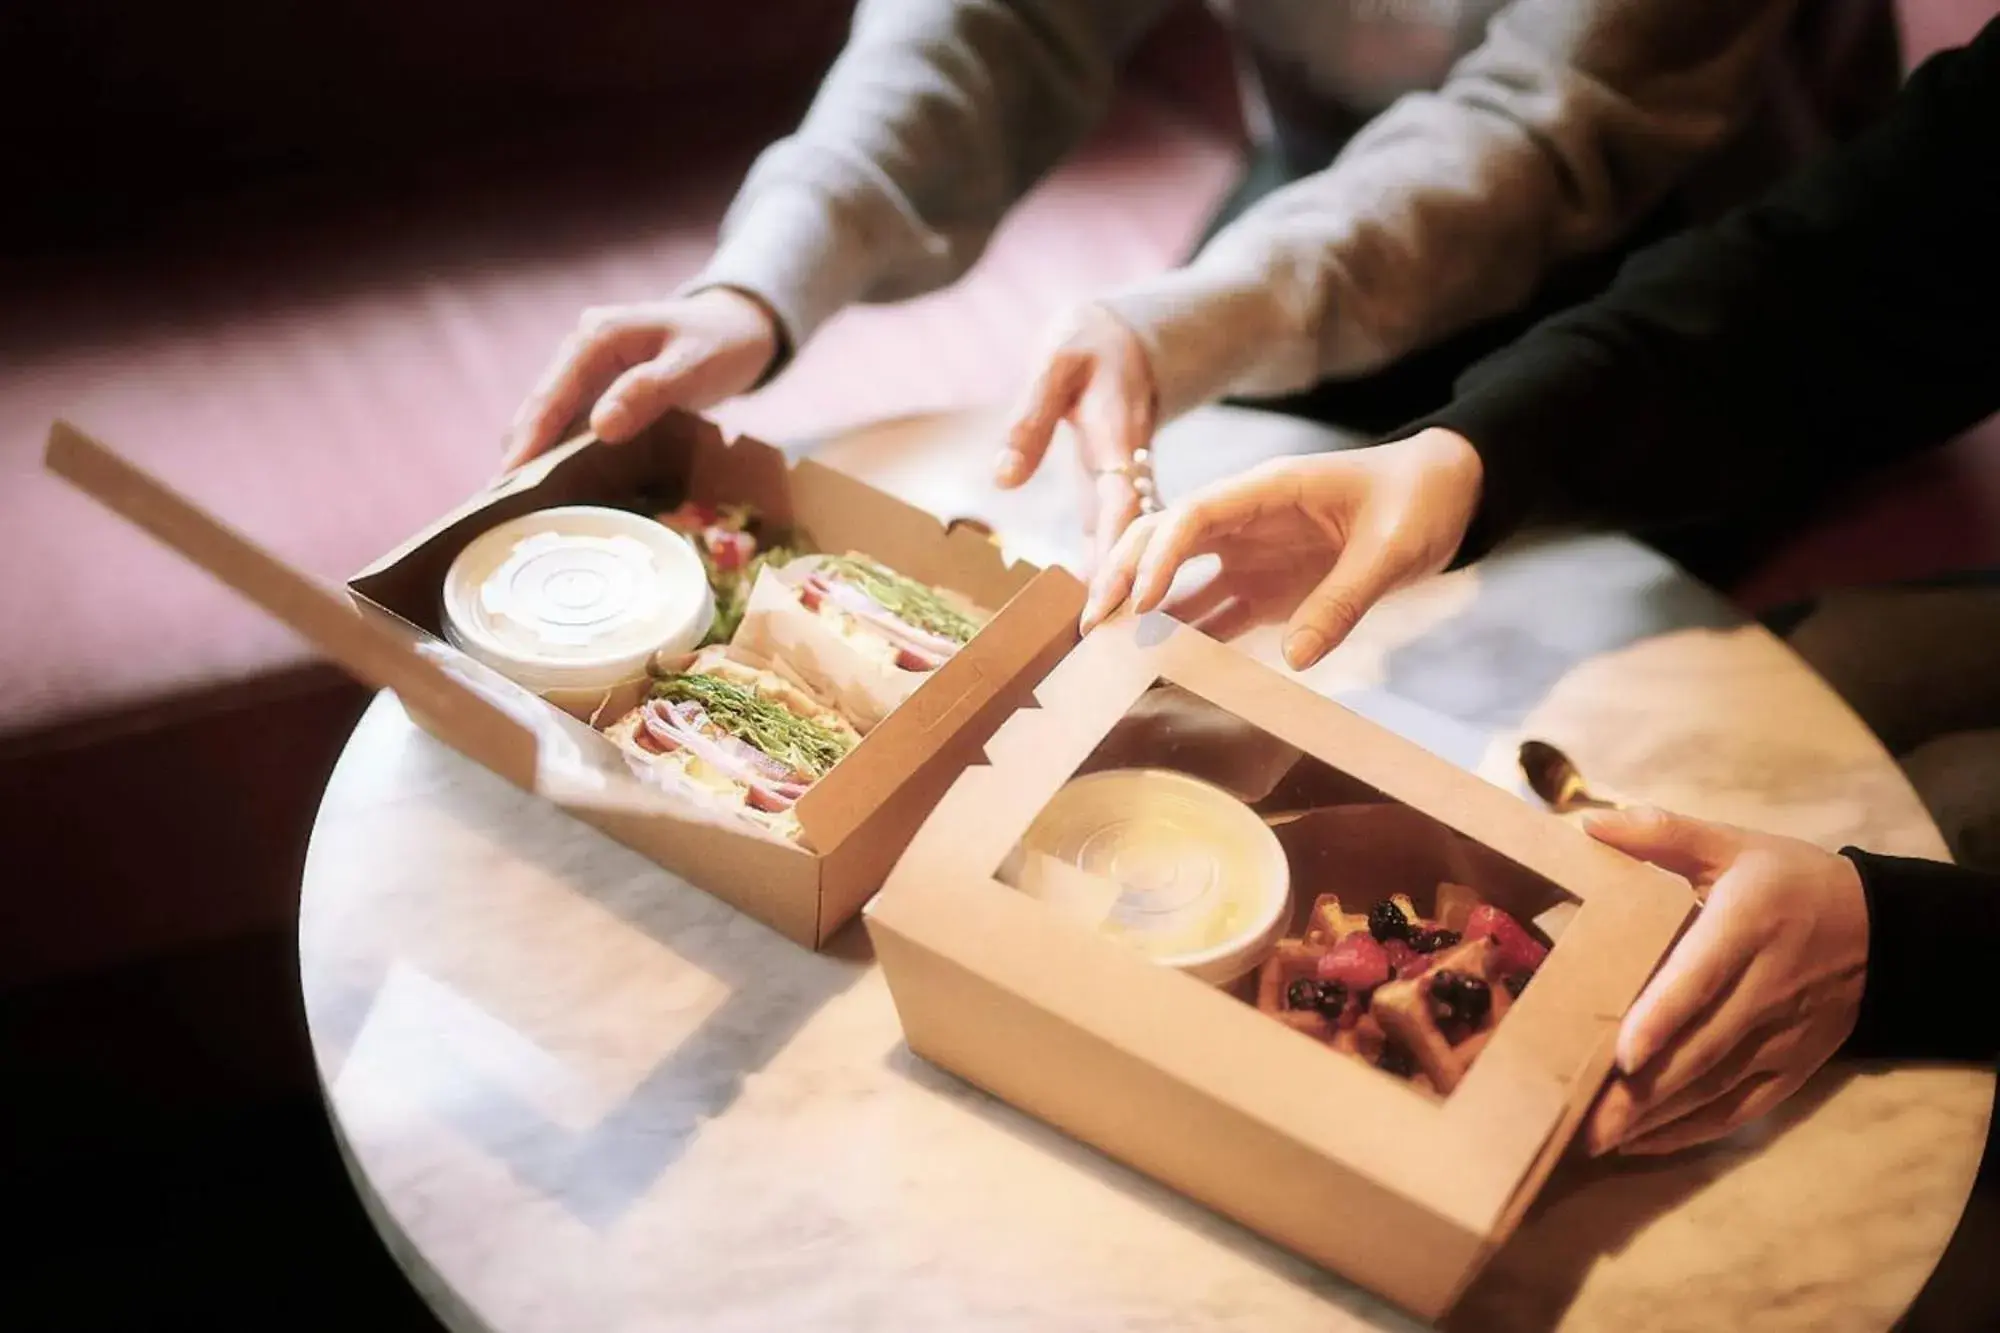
[1358, 963]
[1513, 947]
[1404, 960]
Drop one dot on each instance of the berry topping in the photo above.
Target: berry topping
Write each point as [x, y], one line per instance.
[1395, 1060]
[1459, 998]
[1514, 949]
[1404, 960]
[1386, 922]
[1432, 938]
[1332, 999]
[1303, 993]
[1516, 982]
[1357, 962]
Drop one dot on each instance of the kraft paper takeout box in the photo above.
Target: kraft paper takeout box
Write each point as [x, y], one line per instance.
[384, 628]
[1397, 1189]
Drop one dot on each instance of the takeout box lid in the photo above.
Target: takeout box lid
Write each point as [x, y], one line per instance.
[382, 629]
[1468, 1163]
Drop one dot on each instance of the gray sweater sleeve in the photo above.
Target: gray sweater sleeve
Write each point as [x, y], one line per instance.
[1557, 133]
[937, 117]
[1572, 119]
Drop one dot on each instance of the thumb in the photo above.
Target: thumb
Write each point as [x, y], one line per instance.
[1361, 577]
[1691, 848]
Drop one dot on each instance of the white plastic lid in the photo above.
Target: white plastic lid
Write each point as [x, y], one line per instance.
[578, 597]
[1198, 871]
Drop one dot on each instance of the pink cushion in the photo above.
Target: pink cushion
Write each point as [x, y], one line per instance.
[330, 385]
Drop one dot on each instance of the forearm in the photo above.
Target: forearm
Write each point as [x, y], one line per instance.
[1828, 328]
[1555, 136]
[1931, 929]
[937, 117]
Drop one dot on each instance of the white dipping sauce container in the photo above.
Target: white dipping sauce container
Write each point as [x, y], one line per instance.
[1202, 882]
[573, 602]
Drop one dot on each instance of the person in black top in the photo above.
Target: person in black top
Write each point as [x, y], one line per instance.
[1845, 320]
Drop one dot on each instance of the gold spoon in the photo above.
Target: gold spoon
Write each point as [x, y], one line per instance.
[1553, 776]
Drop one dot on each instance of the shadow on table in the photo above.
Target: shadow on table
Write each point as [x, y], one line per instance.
[1155, 1197]
[774, 988]
[1591, 1209]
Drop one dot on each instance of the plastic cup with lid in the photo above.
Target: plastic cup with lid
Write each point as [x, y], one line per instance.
[1202, 883]
[573, 602]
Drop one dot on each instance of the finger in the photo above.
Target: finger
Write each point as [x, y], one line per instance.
[1050, 397]
[1112, 583]
[1187, 531]
[1752, 1099]
[643, 394]
[1612, 1118]
[1697, 973]
[1691, 848]
[1770, 1049]
[588, 360]
[1117, 506]
[1794, 1050]
[1114, 426]
[1362, 575]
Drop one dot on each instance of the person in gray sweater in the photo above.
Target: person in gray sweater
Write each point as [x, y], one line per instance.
[1446, 163]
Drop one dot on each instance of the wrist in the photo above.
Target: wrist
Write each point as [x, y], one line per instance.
[1457, 473]
[757, 329]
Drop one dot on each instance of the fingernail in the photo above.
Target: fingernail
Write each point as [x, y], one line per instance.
[1005, 464]
[1303, 647]
[1607, 1127]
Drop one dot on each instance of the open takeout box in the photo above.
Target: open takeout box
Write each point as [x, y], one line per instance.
[384, 628]
[1398, 1189]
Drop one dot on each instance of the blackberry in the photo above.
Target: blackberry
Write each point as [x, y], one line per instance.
[1395, 1060]
[1516, 982]
[1303, 993]
[1332, 999]
[1458, 998]
[1432, 939]
[1386, 922]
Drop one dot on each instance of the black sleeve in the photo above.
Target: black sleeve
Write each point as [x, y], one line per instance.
[1851, 316]
[1933, 938]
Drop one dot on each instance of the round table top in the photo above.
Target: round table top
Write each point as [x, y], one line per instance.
[576, 1093]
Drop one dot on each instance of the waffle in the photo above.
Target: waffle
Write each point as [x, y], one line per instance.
[1438, 1018]
[1372, 992]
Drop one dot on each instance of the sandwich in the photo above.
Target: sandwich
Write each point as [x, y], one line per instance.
[734, 546]
[888, 617]
[733, 736]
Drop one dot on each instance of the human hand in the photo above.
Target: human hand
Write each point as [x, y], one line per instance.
[637, 361]
[1323, 537]
[1757, 995]
[1097, 377]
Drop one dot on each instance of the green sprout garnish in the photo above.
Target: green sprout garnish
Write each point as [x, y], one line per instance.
[913, 602]
[807, 746]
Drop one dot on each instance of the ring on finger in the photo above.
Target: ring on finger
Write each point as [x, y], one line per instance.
[1138, 472]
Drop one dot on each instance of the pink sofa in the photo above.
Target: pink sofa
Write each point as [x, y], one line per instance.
[328, 356]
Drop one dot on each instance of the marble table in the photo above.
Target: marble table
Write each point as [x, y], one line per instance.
[578, 1094]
